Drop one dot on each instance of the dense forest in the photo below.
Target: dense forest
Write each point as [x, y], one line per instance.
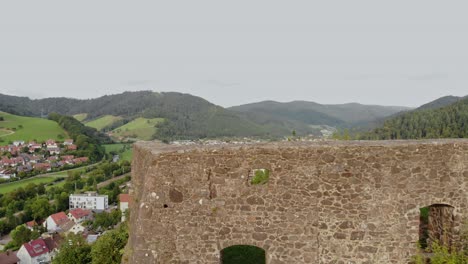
[87, 139]
[434, 122]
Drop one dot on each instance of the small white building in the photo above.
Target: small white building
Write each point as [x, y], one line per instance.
[90, 201]
[71, 227]
[18, 143]
[53, 222]
[124, 202]
[7, 174]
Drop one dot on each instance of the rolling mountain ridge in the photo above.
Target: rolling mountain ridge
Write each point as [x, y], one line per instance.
[184, 116]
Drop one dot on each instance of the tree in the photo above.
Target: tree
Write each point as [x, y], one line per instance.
[74, 250]
[106, 220]
[38, 208]
[22, 234]
[108, 249]
[61, 201]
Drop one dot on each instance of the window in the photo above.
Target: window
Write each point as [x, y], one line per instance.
[244, 254]
[436, 225]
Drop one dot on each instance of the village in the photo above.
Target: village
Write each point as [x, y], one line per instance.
[86, 201]
[89, 216]
[20, 160]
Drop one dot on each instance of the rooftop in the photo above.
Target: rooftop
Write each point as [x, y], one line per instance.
[79, 213]
[88, 194]
[36, 247]
[59, 218]
[124, 198]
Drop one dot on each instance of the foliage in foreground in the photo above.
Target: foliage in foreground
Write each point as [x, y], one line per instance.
[243, 254]
[108, 249]
[443, 255]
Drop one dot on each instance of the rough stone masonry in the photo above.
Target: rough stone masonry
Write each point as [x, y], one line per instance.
[329, 202]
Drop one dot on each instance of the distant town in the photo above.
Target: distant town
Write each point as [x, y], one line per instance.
[21, 159]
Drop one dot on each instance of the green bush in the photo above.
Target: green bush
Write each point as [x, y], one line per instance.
[260, 176]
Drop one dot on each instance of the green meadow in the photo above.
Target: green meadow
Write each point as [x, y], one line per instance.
[141, 128]
[8, 187]
[80, 117]
[103, 121]
[15, 127]
[127, 149]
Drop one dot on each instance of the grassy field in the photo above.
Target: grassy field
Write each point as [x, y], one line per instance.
[8, 187]
[4, 132]
[64, 173]
[103, 121]
[126, 155]
[80, 117]
[29, 128]
[45, 178]
[141, 128]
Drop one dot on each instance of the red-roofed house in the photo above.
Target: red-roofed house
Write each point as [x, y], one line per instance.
[80, 160]
[33, 147]
[53, 222]
[125, 201]
[79, 215]
[31, 224]
[72, 147]
[51, 143]
[52, 158]
[33, 252]
[68, 159]
[42, 166]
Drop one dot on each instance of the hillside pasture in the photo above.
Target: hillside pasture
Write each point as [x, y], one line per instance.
[80, 117]
[103, 121]
[141, 128]
[127, 149]
[9, 187]
[15, 127]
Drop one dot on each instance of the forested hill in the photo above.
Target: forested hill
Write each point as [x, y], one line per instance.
[186, 116]
[310, 113]
[441, 102]
[126, 104]
[427, 122]
[190, 117]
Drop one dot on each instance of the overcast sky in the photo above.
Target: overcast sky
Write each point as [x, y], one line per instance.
[373, 52]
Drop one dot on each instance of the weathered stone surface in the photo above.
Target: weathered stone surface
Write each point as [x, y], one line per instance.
[175, 196]
[326, 202]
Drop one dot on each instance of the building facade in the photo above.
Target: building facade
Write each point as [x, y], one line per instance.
[90, 201]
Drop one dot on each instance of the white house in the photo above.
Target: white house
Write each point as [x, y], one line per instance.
[124, 200]
[53, 222]
[79, 215]
[76, 228]
[71, 227]
[7, 174]
[18, 143]
[34, 252]
[89, 200]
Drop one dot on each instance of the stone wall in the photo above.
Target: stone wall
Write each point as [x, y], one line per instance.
[333, 202]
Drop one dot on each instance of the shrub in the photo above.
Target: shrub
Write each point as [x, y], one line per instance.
[260, 176]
